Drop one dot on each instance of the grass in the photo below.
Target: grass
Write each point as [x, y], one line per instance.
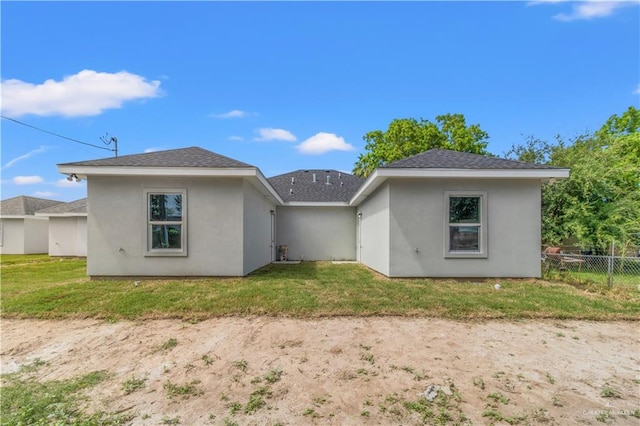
[37, 286]
[26, 401]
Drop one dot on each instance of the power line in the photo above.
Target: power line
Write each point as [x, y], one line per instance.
[55, 134]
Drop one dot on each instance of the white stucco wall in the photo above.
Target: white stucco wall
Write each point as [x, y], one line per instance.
[36, 235]
[117, 227]
[417, 222]
[374, 230]
[68, 236]
[317, 233]
[12, 236]
[257, 229]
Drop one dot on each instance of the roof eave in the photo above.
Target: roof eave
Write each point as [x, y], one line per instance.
[380, 175]
[84, 171]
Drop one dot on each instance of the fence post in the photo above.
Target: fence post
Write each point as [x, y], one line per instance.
[610, 264]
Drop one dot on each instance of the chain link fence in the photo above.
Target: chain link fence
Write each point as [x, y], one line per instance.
[578, 266]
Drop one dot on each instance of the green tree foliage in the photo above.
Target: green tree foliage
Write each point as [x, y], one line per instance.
[600, 201]
[407, 136]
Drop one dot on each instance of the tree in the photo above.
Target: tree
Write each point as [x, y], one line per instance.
[600, 201]
[407, 136]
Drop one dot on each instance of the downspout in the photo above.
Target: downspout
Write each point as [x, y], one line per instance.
[359, 242]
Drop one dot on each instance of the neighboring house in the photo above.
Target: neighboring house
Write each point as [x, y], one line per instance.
[21, 232]
[67, 228]
[191, 212]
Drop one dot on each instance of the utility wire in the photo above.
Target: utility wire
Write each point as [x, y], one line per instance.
[55, 134]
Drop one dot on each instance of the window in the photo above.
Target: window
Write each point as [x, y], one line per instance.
[166, 222]
[466, 228]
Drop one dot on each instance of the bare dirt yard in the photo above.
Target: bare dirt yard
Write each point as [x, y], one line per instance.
[340, 371]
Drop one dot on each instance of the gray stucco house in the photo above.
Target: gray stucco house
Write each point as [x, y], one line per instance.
[21, 231]
[191, 212]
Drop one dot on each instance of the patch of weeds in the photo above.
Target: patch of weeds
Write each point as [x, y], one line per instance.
[310, 412]
[318, 401]
[228, 422]
[212, 417]
[365, 347]
[189, 367]
[575, 338]
[420, 376]
[550, 378]
[368, 357]
[224, 397]
[256, 380]
[32, 366]
[497, 374]
[367, 402]
[498, 397]
[365, 413]
[207, 359]
[493, 414]
[608, 392]
[477, 381]
[241, 365]
[170, 420]
[392, 399]
[635, 413]
[185, 391]
[256, 400]
[145, 416]
[515, 420]
[362, 372]
[273, 376]
[556, 401]
[234, 407]
[169, 344]
[133, 384]
[603, 416]
[559, 334]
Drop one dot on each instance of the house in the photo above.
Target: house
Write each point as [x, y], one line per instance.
[21, 232]
[191, 212]
[67, 228]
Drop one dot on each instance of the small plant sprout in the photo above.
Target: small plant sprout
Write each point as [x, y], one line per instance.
[169, 344]
[608, 392]
[207, 359]
[273, 376]
[241, 365]
[133, 384]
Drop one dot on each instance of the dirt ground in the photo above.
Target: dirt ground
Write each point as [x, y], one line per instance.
[342, 371]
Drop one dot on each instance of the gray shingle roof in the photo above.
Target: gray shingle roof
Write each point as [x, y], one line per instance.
[299, 186]
[77, 206]
[183, 157]
[445, 159]
[24, 205]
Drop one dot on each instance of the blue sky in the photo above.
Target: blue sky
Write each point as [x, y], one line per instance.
[290, 85]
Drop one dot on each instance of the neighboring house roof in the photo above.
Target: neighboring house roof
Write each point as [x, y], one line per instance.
[329, 186]
[24, 205]
[74, 208]
[445, 159]
[183, 157]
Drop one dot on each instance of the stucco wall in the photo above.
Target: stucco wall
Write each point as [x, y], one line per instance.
[117, 227]
[12, 236]
[317, 233]
[417, 222]
[36, 235]
[257, 228]
[68, 236]
[374, 230]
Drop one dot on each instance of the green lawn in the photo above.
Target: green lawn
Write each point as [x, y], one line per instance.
[41, 287]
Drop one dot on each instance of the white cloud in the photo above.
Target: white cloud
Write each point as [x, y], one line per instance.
[234, 113]
[45, 194]
[590, 9]
[324, 142]
[637, 91]
[26, 156]
[152, 149]
[27, 180]
[86, 93]
[236, 138]
[64, 183]
[269, 134]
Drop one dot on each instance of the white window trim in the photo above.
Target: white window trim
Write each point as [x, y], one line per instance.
[482, 253]
[148, 223]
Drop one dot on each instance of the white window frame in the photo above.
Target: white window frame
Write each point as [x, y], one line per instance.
[482, 234]
[182, 251]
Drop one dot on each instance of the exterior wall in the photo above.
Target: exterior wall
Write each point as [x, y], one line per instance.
[374, 230]
[68, 236]
[257, 229]
[36, 235]
[12, 236]
[117, 227]
[417, 222]
[317, 233]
